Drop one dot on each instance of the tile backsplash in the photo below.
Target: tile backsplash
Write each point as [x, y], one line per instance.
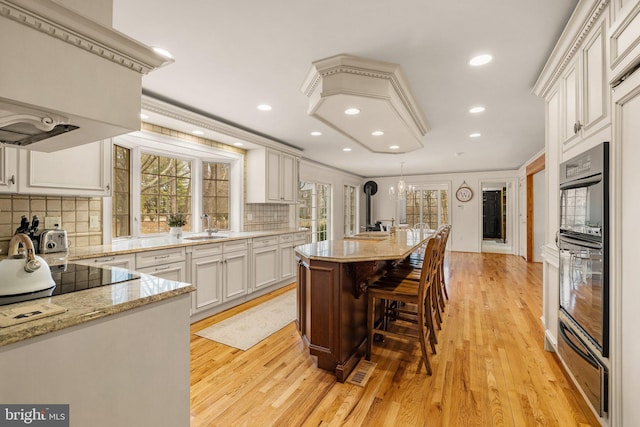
[75, 214]
[265, 217]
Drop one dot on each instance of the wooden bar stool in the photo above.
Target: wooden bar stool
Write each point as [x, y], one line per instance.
[406, 291]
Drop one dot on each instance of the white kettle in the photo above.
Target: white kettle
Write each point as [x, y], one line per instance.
[19, 275]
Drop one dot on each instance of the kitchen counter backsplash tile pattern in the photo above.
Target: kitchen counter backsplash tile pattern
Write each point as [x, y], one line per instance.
[265, 217]
[75, 214]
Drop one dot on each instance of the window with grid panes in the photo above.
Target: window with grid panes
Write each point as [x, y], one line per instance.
[165, 188]
[215, 193]
[121, 194]
[427, 206]
[313, 209]
[349, 205]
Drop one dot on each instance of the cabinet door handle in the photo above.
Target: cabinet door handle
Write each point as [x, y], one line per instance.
[166, 267]
[576, 127]
[12, 179]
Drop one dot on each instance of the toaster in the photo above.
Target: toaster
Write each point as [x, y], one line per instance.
[52, 241]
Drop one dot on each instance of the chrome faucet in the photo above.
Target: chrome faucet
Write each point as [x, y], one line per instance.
[32, 264]
[209, 230]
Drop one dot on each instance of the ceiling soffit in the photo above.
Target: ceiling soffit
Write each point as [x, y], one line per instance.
[380, 91]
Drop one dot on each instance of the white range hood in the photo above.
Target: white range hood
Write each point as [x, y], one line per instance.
[61, 68]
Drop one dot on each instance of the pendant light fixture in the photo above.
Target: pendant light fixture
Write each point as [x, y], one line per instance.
[402, 187]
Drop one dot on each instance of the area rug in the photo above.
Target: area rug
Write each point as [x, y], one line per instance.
[246, 329]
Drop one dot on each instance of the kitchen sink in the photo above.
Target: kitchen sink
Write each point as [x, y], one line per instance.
[213, 237]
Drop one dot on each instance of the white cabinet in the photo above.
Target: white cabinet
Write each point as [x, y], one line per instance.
[206, 275]
[165, 263]
[84, 170]
[235, 269]
[287, 257]
[272, 176]
[585, 88]
[8, 169]
[127, 261]
[265, 261]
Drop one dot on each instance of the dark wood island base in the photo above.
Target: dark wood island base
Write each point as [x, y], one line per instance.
[332, 307]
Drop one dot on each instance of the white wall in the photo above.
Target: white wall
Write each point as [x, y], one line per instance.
[466, 218]
[314, 172]
[539, 197]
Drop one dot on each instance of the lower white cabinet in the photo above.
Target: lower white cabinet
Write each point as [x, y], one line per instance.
[206, 275]
[265, 262]
[127, 261]
[235, 269]
[165, 263]
[173, 271]
[220, 273]
[287, 257]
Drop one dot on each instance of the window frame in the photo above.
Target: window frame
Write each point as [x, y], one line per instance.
[439, 187]
[162, 145]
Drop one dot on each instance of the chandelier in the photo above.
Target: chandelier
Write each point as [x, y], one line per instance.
[401, 190]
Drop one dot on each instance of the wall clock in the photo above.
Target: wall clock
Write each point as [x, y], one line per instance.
[464, 192]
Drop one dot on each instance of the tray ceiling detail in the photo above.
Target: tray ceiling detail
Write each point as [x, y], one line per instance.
[389, 118]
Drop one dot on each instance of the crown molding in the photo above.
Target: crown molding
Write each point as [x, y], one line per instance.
[580, 24]
[381, 85]
[227, 133]
[70, 27]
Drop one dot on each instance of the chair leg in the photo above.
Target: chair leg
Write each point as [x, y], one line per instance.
[443, 285]
[433, 339]
[424, 329]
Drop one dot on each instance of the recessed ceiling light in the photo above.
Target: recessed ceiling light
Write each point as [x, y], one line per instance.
[478, 109]
[238, 144]
[352, 111]
[474, 135]
[197, 132]
[346, 149]
[163, 52]
[377, 133]
[459, 153]
[264, 107]
[480, 60]
[316, 133]
[143, 116]
[394, 147]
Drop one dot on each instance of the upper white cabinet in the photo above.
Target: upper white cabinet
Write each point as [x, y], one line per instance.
[625, 37]
[585, 87]
[8, 169]
[272, 176]
[79, 171]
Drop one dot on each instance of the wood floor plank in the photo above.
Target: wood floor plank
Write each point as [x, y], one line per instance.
[490, 369]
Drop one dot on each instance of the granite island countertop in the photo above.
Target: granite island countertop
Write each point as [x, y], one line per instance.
[396, 246]
[95, 303]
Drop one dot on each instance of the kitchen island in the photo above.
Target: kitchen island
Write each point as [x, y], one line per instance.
[118, 355]
[332, 281]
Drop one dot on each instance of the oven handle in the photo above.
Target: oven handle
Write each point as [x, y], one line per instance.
[584, 182]
[586, 356]
[577, 242]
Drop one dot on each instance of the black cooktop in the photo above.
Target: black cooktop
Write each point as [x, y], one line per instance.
[78, 277]
[75, 277]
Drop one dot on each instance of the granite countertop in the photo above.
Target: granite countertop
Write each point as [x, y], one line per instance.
[94, 303]
[396, 246]
[127, 246]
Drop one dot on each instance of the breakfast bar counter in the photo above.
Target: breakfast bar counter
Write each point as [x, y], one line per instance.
[332, 280]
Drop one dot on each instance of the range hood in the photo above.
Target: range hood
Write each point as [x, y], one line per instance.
[67, 79]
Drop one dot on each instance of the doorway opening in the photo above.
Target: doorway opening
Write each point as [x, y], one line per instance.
[496, 217]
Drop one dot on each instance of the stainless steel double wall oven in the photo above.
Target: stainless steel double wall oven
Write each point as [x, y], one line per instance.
[583, 240]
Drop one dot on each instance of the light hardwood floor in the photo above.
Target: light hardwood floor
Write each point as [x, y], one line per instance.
[490, 368]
